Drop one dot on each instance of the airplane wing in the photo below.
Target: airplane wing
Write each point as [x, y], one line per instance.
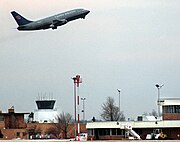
[56, 23]
[59, 22]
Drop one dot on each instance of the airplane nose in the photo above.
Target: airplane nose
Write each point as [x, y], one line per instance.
[87, 11]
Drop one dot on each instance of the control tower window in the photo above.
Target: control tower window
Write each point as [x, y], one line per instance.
[45, 104]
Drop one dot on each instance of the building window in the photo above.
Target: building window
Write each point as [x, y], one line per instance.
[18, 134]
[177, 109]
[117, 131]
[107, 132]
[1, 118]
[114, 131]
[165, 109]
[120, 132]
[171, 109]
[90, 132]
[24, 134]
[103, 132]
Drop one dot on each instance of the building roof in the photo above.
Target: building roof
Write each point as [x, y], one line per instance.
[135, 124]
[170, 101]
[6, 114]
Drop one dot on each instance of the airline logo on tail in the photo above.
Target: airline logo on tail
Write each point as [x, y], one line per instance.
[18, 17]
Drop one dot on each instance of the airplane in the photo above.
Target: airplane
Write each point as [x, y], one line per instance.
[49, 22]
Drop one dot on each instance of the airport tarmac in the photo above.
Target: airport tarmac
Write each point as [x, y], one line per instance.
[91, 141]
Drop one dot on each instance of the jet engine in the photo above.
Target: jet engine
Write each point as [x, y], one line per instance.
[53, 26]
[57, 23]
[62, 22]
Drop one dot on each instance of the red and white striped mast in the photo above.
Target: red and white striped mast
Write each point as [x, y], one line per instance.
[78, 81]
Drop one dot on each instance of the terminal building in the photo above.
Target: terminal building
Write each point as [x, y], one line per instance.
[168, 125]
[170, 109]
[12, 125]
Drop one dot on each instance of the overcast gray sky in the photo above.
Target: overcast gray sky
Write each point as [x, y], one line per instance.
[122, 44]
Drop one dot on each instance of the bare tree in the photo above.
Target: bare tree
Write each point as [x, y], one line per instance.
[54, 132]
[122, 116]
[63, 120]
[37, 131]
[153, 113]
[110, 112]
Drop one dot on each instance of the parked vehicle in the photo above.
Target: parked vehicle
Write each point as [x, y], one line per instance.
[82, 137]
[156, 135]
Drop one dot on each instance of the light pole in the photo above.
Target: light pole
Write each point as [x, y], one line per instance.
[119, 91]
[83, 110]
[75, 131]
[158, 101]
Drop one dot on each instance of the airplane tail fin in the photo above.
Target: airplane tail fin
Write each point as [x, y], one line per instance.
[20, 19]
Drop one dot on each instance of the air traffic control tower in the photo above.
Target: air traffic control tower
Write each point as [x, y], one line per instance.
[45, 112]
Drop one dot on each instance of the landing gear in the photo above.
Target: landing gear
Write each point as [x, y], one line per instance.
[54, 27]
